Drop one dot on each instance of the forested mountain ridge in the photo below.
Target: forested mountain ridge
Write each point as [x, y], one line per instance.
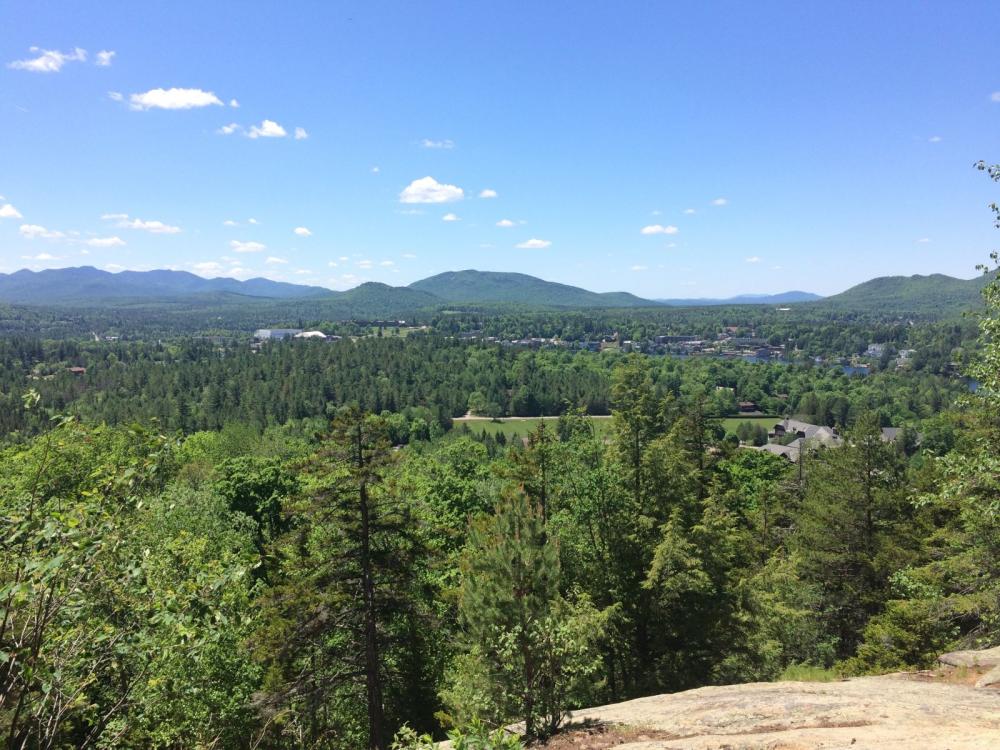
[56, 286]
[520, 289]
[936, 295]
[912, 294]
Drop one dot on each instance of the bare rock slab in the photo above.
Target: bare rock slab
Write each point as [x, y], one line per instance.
[888, 713]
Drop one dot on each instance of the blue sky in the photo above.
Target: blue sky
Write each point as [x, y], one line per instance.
[668, 149]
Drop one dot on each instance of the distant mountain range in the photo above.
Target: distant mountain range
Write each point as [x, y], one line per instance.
[89, 287]
[87, 284]
[745, 299]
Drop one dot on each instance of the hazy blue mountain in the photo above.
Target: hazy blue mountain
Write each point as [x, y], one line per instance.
[88, 285]
[520, 289]
[745, 299]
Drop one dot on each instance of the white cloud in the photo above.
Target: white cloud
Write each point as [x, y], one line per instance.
[7, 211]
[450, 217]
[302, 272]
[230, 223]
[533, 244]
[252, 221]
[505, 223]
[40, 256]
[273, 260]
[106, 242]
[332, 263]
[935, 139]
[690, 211]
[152, 226]
[488, 193]
[429, 190]
[365, 264]
[409, 256]
[246, 247]
[234, 104]
[639, 268]
[113, 267]
[208, 266]
[720, 202]
[267, 129]
[229, 129]
[376, 170]
[116, 96]
[104, 58]
[753, 259]
[659, 229]
[655, 212]
[387, 263]
[302, 232]
[924, 240]
[428, 143]
[49, 61]
[301, 134]
[995, 96]
[35, 232]
[174, 99]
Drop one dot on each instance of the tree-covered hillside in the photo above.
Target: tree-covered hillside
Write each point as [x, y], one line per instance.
[520, 289]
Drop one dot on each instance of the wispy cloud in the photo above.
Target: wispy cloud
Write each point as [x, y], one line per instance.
[450, 217]
[429, 190]
[104, 57]
[720, 202]
[272, 260]
[924, 240]
[505, 223]
[639, 268]
[995, 96]
[935, 139]
[41, 256]
[753, 259]
[48, 60]
[153, 226]
[428, 143]
[659, 229]
[36, 232]
[106, 242]
[175, 98]
[301, 134]
[488, 193]
[533, 244]
[302, 232]
[690, 211]
[246, 247]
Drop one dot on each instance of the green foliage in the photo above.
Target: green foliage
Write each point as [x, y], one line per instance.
[531, 650]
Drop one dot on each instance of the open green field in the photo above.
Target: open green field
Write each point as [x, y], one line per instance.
[511, 427]
[729, 424]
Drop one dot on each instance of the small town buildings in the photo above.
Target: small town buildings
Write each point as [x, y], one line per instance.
[275, 334]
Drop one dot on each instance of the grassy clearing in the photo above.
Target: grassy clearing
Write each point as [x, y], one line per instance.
[522, 427]
[729, 424]
[807, 673]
